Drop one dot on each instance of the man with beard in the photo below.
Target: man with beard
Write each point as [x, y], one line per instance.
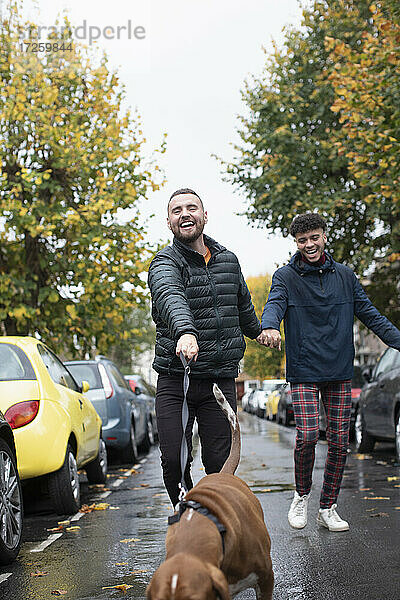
[201, 307]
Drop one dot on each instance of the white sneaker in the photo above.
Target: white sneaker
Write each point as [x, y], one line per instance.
[328, 517]
[297, 515]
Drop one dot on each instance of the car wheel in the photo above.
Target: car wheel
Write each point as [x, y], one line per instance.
[129, 454]
[64, 486]
[397, 434]
[10, 506]
[96, 470]
[364, 441]
[149, 436]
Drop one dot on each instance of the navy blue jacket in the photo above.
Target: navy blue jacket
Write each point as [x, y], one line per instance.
[318, 304]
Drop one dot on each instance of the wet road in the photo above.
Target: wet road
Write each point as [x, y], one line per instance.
[123, 543]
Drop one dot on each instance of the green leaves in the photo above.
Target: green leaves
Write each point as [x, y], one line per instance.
[323, 130]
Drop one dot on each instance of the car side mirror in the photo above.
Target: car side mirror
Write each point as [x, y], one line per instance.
[138, 390]
[367, 373]
[85, 387]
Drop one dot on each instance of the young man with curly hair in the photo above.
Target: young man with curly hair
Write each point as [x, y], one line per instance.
[317, 298]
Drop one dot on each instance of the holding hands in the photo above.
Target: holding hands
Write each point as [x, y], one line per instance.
[270, 338]
[187, 344]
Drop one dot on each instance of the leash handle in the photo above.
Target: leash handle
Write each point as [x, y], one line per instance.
[185, 419]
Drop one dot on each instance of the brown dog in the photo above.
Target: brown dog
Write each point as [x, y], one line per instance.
[200, 564]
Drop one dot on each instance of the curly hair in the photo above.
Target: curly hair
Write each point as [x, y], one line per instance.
[306, 222]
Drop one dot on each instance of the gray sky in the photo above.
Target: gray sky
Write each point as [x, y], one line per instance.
[185, 79]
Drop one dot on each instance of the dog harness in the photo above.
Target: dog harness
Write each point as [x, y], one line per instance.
[185, 504]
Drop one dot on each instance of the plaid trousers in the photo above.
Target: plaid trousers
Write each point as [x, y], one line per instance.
[336, 397]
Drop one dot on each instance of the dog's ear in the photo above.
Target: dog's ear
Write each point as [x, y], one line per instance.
[219, 582]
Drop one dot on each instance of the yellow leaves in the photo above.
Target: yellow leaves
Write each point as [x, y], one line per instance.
[372, 8]
[71, 310]
[123, 587]
[129, 540]
[19, 313]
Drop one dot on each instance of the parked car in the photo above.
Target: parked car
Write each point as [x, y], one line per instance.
[253, 402]
[268, 402]
[56, 429]
[245, 400]
[285, 408]
[378, 418]
[123, 415]
[146, 393]
[11, 510]
[356, 385]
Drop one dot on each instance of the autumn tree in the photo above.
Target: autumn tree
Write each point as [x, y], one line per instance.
[366, 82]
[71, 162]
[290, 160]
[259, 361]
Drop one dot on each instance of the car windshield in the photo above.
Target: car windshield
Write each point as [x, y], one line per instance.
[89, 373]
[14, 364]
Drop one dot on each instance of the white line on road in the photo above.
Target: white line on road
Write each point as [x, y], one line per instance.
[43, 545]
[4, 577]
[78, 516]
[117, 483]
[105, 494]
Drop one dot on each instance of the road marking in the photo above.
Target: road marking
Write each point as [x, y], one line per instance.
[4, 577]
[118, 482]
[105, 494]
[78, 516]
[43, 545]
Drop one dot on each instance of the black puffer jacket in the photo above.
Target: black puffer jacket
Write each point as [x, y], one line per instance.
[210, 301]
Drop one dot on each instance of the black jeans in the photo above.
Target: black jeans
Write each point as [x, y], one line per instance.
[214, 430]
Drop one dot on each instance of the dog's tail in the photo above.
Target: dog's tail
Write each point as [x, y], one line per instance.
[233, 459]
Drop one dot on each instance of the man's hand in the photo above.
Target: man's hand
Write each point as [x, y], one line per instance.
[187, 344]
[270, 337]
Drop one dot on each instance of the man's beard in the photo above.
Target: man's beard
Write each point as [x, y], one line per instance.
[192, 237]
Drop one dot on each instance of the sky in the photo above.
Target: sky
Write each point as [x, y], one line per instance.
[183, 64]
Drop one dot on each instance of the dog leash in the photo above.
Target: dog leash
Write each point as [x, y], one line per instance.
[185, 419]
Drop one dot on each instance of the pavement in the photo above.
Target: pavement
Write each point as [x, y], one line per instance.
[122, 543]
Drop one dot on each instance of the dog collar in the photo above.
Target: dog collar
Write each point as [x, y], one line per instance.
[185, 504]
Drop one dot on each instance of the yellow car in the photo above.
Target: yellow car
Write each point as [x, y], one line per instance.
[56, 429]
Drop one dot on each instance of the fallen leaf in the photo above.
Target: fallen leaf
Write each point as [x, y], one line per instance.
[364, 489]
[144, 485]
[120, 564]
[362, 456]
[59, 528]
[39, 574]
[376, 498]
[86, 508]
[137, 571]
[263, 465]
[59, 592]
[63, 522]
[393, 478]
[381, 462]
[396, 486]
[369, 509]
[122, 587]
[159, 495]
[381, 514]
[397, 508]
[128, 540]
[73, 528]
[101, 506]
[114, 507]
[265, 490]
